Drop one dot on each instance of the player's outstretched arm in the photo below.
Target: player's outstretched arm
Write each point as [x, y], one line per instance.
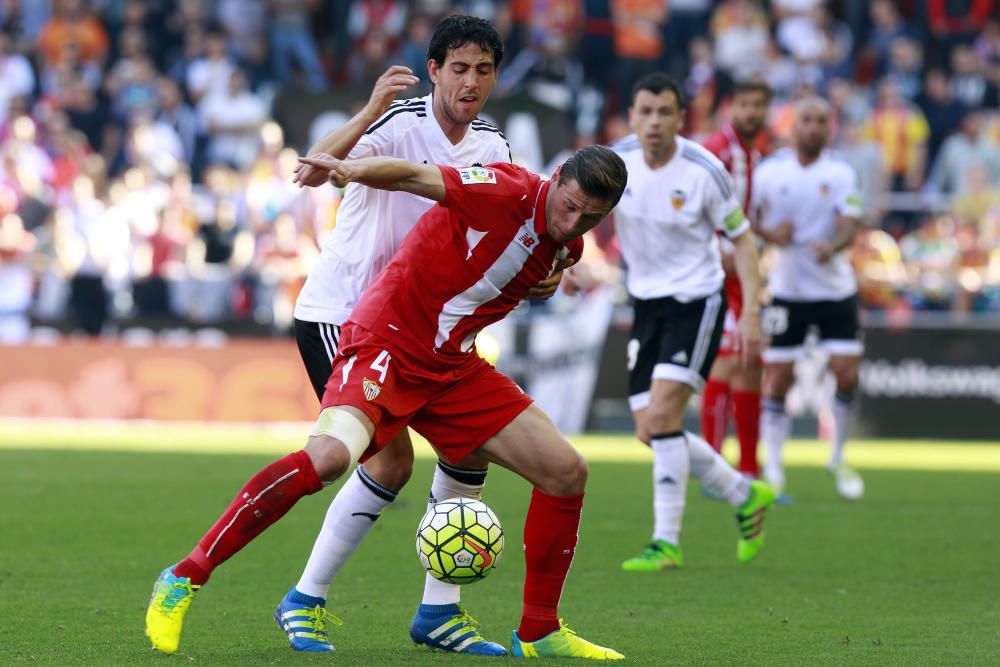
[384, 173]
[340, 142]
[748, 270]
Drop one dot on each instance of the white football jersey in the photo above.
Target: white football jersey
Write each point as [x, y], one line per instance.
[811, 198]
[371, 223]
[667, 220]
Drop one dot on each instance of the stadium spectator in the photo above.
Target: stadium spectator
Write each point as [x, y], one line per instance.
[173, 111]
[952, 23]
[969, 82]
[865, 157]
[16, 73]
[943, 112]
[798, 28]
[232, 122]
[245, 22]
[638, 41]
[906, 62]
[739, 29]
[209, 72]
[961, 153]
[901, 130]
[291, 39]
[887, 25]
[16, 246]
[931, 256]
[980, 193]
[686, 19]
[73, 26]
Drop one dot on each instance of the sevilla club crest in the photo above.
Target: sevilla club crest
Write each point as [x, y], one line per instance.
[372, 389]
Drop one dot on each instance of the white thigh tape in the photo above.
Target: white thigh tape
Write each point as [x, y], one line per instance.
[342, 425]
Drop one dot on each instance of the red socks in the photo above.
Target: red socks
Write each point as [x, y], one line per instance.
[550, 534]
[746, 412]
[715, 413]
[266, 498]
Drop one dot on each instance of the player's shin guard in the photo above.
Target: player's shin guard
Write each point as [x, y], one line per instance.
[266, 498]
[352, 513]
[746, 414]
[775, 426]
[550, 535]
[708, 467]
[450, 482]
[715, 412]
[671, 467]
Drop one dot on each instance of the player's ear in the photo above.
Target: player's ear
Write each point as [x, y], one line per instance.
[555, 174]
[432, 71]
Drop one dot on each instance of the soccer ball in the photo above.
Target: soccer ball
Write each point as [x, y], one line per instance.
[459, 540]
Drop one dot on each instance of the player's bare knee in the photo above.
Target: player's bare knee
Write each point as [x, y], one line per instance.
[392, 467]
[847, 381]
[330, 457]
[665, 415]
[567, 476]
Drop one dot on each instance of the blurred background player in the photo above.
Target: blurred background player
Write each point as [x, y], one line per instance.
[809, 207]
[675, 276]
[463, 62]
[733, 388]
[408, 357]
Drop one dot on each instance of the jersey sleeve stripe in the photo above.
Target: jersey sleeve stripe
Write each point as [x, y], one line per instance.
[717, 173]
[483, 126]
[417, 109]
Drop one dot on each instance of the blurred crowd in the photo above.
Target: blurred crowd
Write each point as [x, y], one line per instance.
[142, 174]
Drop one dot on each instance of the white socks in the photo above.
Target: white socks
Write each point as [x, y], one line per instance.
[352, 513]
[671, 465]
[450, 482]
[842, 405]
[715, 473]
[774, 428]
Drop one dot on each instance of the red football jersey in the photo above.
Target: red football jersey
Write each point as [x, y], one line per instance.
[467, 263]
[740, 159]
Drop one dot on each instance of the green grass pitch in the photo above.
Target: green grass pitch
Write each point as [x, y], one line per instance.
[908, 576]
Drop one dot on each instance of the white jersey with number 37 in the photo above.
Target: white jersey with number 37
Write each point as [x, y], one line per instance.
[371, 224]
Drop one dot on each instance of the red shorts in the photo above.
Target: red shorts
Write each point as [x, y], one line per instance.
[457, 409]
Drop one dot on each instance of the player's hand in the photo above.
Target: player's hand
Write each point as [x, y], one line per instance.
[782, 234]
[750, 339]
[546, 288]
[306, 175]
[392, 82]
[338, 172]
[823, 251]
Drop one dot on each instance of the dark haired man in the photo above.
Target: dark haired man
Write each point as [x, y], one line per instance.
[732, 387]
[407, 356]
[463, 61]
[679, 195]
